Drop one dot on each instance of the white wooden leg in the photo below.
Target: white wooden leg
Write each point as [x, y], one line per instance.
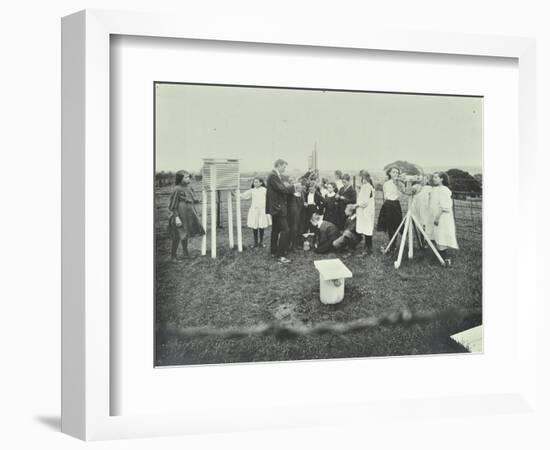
[397, 263]
[394, 237]
[230, 218]
[239, 224]
[204, 220]
[436, 253]
[213, 211]
[411, 243]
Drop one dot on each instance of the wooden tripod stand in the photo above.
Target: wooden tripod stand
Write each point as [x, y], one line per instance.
[408, 222]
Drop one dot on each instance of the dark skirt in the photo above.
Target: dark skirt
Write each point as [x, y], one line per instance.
[191, 225]
[390, 216]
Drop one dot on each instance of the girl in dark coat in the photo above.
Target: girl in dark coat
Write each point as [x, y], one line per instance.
[332, 206]
[184, 222]
[313, 203]
[346, 196]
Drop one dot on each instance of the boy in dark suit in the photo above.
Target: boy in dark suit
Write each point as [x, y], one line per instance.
[276, 205]
[295, 203]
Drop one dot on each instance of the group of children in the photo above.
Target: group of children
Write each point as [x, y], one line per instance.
[337, 215]
[432, 210]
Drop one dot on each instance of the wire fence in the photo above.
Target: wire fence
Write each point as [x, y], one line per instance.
[467, 209]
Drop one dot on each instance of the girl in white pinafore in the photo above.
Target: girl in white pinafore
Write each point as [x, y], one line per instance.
[365, 210]
[441, 206]
[257, 219]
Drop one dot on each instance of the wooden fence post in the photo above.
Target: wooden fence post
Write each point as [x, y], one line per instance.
[239, 224]
[230, 218]
[213, 211]
[204, 220]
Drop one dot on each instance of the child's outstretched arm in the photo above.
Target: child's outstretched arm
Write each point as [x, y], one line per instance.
[247, 195]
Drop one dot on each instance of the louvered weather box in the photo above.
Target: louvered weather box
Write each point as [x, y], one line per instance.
[227, 174]
[221, 175]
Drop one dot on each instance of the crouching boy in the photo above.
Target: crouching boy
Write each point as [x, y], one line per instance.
[326, 233]
[350, 238]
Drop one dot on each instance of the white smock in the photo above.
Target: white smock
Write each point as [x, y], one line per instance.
[444, 232]
[365, 215]
[257, 217]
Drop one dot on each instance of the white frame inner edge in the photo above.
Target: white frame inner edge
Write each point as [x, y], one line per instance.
[86, 200]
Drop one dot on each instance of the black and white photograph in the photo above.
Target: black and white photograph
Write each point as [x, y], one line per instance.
[300, 224]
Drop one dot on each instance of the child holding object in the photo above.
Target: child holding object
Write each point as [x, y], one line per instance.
[365, 210]
[183, 222]
[257, 218]
[441, 206]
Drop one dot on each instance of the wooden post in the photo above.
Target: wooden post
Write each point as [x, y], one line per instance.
[436, 253]
[394, 237]
[213, 211]
[219, 210]
[204, 220]
[397, 263]
[411, 226]
[230, 219]
[239, 224]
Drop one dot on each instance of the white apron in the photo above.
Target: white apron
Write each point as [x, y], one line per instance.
[365, 216]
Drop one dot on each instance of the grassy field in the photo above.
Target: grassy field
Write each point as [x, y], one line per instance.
[249, 288]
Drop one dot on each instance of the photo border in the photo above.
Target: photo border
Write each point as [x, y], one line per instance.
[86, 201]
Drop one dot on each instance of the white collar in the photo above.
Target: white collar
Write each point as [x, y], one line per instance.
[320, 223]
[331, 194]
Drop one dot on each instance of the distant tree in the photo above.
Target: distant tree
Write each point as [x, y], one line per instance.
[479, 178]
[463, 182]
[405, 167]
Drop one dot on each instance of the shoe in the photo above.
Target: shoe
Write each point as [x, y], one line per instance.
[284, 260]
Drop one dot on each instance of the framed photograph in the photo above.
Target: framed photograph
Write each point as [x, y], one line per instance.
[268, 229]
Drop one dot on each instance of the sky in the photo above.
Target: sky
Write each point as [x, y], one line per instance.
[352, 130]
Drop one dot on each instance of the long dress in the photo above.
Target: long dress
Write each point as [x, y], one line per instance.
[181, 203]
[444, 232]
[390, 215]
[257, 217]
[365, 216]
[422, 212]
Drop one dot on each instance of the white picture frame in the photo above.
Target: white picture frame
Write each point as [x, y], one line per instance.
[86, 357]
